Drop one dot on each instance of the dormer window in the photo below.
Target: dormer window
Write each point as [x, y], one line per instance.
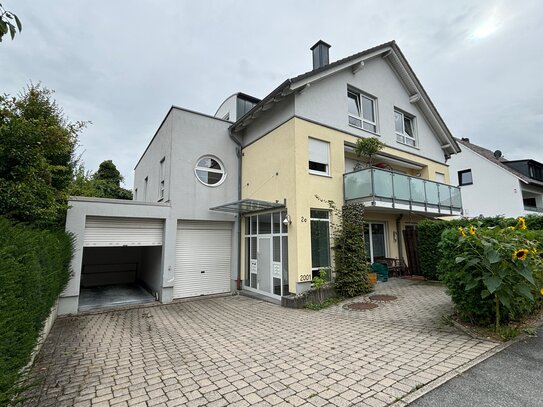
[405, 129]
[361, 111]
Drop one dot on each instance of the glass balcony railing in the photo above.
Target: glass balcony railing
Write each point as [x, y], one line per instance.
[389, 189]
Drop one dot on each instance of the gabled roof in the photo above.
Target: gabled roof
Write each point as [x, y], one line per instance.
[392, 53]
[499, 161]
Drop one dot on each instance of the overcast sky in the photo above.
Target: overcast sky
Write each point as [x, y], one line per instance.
[122, 64]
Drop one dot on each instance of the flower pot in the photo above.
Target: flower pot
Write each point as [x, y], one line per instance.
[373, 278]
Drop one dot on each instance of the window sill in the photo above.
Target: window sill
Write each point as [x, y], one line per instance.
[363, 129]
[408, 145]
[320, 174]
[466, 184]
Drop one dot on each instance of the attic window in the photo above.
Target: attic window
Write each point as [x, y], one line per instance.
[405, 129]
[361, 111]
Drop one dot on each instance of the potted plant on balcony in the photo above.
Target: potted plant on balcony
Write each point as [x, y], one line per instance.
[367, 147]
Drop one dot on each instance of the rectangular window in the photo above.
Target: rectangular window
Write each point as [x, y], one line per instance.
[135, 194]
[361, 110]
[465, 177]
[405, 129]
[319, 157]
[145, 184]
[374, 236]
[320, 241]
[162, 180]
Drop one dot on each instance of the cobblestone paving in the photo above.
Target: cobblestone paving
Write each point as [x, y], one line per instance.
[243, 352]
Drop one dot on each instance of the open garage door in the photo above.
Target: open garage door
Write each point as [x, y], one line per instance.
[110, 231]
[203, 259]
[121, 262]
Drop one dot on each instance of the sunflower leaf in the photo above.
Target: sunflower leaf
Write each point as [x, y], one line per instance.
[492, 283]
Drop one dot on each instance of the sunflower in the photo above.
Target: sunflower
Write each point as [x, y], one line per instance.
[472, 230]
[511, 228]
[461, 231]
[521, 223]
[541, 291]
[520, 254]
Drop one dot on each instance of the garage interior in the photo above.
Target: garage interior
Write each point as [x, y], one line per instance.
[118, 276]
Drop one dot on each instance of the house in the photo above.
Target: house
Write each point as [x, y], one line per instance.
[492, 185]
[229, 202]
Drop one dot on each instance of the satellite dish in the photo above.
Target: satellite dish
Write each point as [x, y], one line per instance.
[497, 154]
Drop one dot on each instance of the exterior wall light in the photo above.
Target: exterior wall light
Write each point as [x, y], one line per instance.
[287, 220]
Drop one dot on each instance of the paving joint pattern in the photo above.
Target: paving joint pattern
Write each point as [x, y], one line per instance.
[243, 352]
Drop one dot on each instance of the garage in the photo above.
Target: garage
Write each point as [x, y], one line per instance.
[122, 261]
[203, 259]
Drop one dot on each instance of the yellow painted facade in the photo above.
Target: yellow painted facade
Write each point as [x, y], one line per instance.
[275, 168]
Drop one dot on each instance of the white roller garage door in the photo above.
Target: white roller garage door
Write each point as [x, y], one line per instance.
[102, 231]
[203, 253]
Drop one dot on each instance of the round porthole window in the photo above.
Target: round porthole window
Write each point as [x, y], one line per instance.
[210, 171]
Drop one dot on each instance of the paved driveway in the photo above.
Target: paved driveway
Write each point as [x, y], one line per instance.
[240, 351]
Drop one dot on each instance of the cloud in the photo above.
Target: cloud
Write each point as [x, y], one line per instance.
[122, 64]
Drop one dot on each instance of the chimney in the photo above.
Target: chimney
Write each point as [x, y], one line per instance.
[465, 139]
[320, 54]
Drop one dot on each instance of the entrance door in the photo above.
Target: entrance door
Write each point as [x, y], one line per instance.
[264, 264]
[374, 235]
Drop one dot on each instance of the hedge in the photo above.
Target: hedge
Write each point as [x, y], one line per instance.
[34, 269]
[429, 235]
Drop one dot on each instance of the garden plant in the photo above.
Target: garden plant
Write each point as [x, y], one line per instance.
[493, 274]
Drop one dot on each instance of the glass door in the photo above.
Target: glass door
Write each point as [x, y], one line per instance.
[375, 237]
[264, 264]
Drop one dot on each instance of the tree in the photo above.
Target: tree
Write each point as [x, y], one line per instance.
[7, 18]
[37, 145]
[104, 183]
[368, 147]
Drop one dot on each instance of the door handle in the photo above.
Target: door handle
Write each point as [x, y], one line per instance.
[202, 272]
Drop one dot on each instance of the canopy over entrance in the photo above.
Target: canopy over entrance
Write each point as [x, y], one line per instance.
[246, 206]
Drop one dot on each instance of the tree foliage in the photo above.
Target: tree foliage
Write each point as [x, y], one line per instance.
[37, 145]
[367, 147]
[9, 23]
[104, 183]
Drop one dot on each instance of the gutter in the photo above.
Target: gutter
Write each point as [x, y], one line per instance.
[238, 154]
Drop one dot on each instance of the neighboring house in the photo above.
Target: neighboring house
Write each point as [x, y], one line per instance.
[229, 201]
[492, 185]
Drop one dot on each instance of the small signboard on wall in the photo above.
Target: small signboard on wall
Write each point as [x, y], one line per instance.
[253, 266]
[276, 270]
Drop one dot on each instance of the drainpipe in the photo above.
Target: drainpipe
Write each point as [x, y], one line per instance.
[238, 154]
[399, 232]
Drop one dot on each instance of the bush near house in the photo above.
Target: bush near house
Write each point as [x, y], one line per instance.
[34, 269]
[494, 275]
[429, 233]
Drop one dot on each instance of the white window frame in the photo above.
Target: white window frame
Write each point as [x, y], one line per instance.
[358, 96]
[370, 235]
[402, 136]
[221, 171]
[309, 160]
[161, 185]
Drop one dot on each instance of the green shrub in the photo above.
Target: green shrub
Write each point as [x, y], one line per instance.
[351, 264]
[493, 274]
[34, 269]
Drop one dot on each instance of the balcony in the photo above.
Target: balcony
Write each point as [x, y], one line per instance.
[387, 189]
